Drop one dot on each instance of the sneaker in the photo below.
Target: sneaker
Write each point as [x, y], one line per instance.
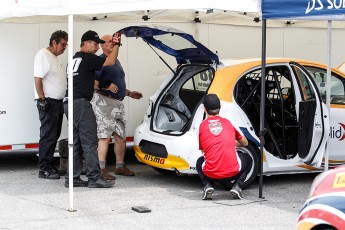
[124, 171]
[208, 191]
[106, 175]
[77, 182]
[48, 173]
[236, 192]
[101, 183]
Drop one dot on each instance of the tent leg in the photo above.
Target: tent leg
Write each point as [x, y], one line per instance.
[262, 105]
[70, 111]
[328, 86]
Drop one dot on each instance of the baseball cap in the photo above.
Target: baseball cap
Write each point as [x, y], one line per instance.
[212, 102]
[91, 35]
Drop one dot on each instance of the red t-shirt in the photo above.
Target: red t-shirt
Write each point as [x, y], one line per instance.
[217, 138]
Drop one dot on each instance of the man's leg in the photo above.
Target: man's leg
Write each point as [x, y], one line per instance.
[49, 133]
[102, 109]
[103, 144]
[208, 189]
[89, 143]
[120, 151]
[89, 139]
[246, 164]
[77, 149]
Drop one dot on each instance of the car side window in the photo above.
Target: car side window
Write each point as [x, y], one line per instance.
[199, 82]
[337, 84]
[193, 90]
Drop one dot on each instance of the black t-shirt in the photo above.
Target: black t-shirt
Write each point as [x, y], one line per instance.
[84, 67]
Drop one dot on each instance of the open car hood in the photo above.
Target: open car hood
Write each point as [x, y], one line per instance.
[173, 42]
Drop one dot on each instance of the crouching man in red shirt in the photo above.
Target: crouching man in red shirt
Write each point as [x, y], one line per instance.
[220, 162]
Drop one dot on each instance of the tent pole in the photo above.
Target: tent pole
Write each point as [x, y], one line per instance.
[262, 105]
[70, 111]
[328, 86]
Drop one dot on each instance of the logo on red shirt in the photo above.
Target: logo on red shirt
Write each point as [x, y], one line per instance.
[215, 127]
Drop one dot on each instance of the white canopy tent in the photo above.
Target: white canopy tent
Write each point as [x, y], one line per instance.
[15, 9]
[218, 12]
[26, 11]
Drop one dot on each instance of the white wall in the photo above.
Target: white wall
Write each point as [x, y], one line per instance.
[17, 46]
[144, 70]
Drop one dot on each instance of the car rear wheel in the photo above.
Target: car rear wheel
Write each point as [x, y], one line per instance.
[254, 154]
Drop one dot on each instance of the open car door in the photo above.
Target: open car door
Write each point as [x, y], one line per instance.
[313, 119]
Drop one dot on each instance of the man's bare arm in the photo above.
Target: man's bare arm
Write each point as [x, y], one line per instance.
[242, 142]
[39, 87]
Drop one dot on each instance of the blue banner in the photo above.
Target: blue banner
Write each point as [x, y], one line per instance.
[325, 9]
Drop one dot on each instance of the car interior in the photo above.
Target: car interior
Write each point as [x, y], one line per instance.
[175, 106]
[280, 121]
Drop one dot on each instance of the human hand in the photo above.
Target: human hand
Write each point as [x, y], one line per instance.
[96, 85]
[112, 87]
[116, 40]
[42, 105]
[135, 94]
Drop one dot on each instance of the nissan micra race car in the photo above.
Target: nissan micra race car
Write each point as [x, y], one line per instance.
[325, 207]
[297, 121]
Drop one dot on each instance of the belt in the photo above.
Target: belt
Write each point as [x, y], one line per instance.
[53, 99]
[65, 101]
[103, 94]
[81, 99]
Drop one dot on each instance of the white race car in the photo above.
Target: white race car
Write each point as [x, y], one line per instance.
[297, 122]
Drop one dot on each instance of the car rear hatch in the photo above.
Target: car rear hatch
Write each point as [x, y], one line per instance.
[173, 110]
[176, 43]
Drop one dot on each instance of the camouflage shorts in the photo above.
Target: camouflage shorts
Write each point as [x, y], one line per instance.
[110, 116]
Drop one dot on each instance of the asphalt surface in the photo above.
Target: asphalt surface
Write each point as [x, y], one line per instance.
[28, 202]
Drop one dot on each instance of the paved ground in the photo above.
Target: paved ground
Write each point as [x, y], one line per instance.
[175, 202]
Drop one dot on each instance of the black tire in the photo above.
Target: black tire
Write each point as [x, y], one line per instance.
[164, 171]
[323, 227]
[63, 148]
[254, 154]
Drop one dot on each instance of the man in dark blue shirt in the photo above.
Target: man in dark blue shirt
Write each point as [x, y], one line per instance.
[110, 111]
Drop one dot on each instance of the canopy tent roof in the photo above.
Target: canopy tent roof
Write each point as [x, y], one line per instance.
[25, 8]
[231, 12]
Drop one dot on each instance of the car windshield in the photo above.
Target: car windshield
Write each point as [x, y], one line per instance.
[337, 84]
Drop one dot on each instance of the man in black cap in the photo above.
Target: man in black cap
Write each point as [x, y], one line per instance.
[220, 162]
[85, 141]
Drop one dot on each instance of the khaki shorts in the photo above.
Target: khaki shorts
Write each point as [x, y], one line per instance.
[110, 116]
